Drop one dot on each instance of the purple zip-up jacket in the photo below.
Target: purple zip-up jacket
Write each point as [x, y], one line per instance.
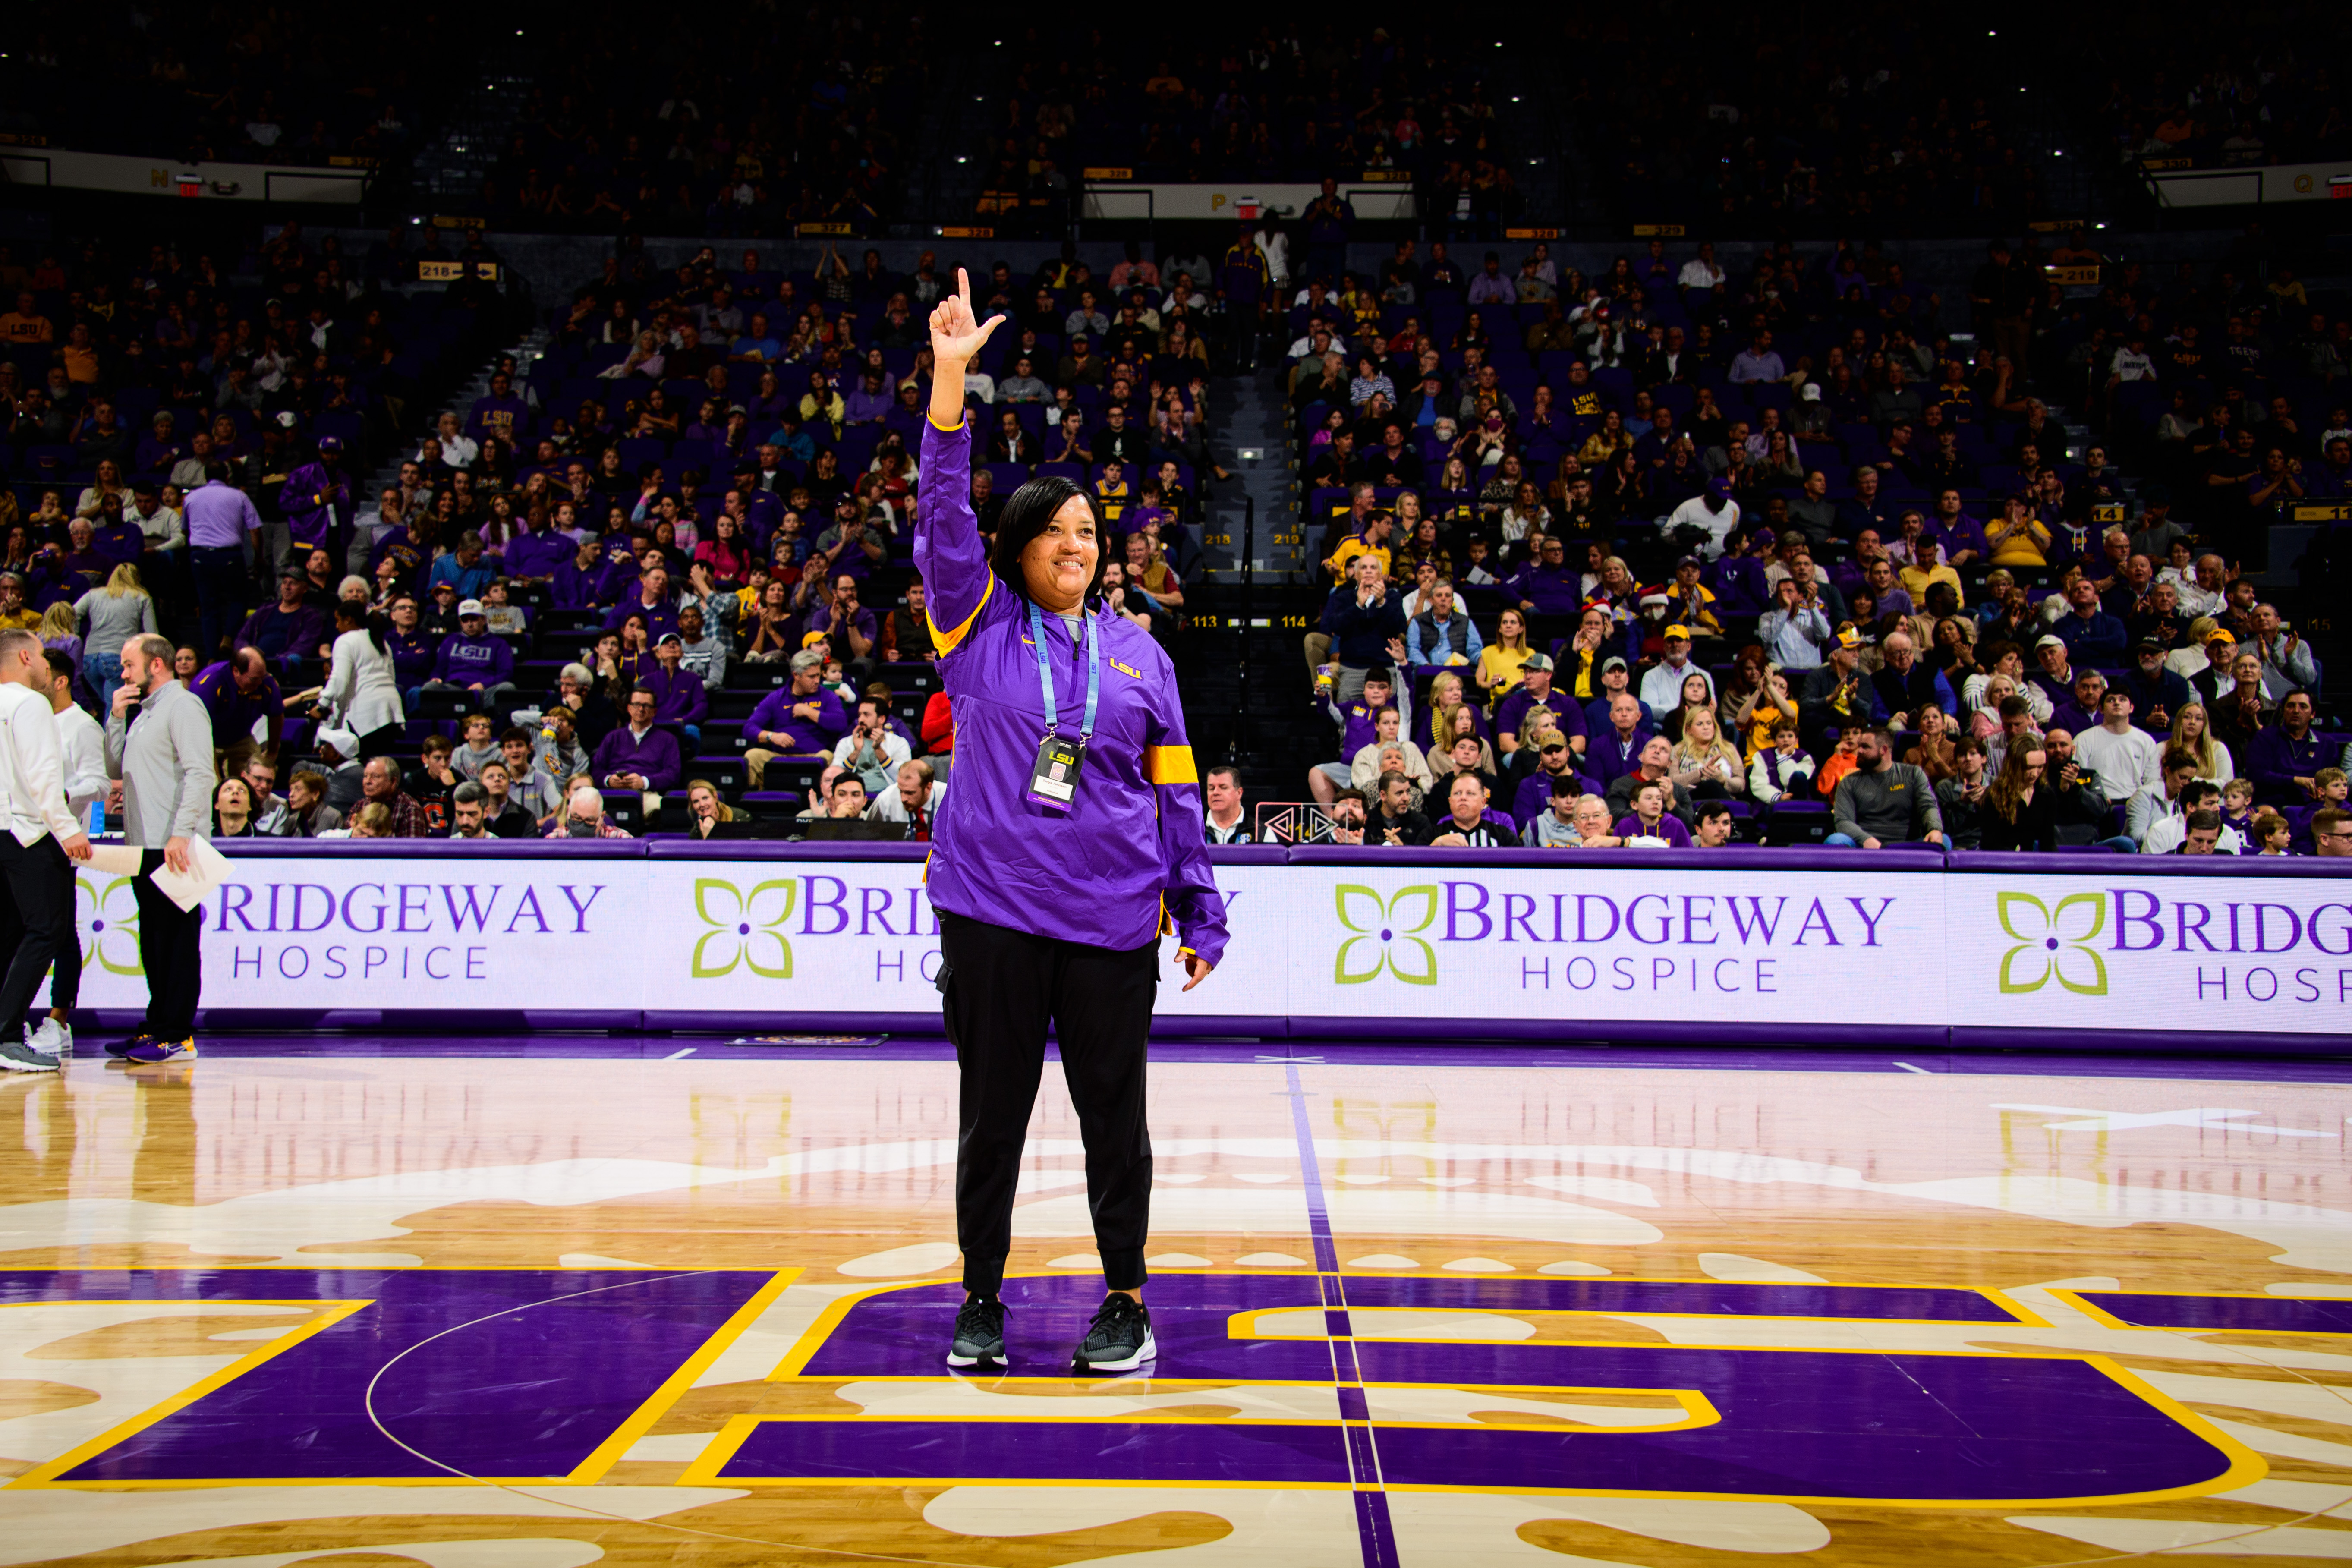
[1076, 875]
[309, 490]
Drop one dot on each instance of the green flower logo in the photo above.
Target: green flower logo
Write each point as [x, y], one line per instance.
[2053, 943]
[746, 928]
[107, 918]
[1387, 931]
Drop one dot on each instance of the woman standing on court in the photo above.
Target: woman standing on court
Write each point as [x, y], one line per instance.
[1071, 840]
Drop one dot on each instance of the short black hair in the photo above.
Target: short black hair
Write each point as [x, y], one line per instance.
[2196, 790]
[1026, 513]
[1708, 810]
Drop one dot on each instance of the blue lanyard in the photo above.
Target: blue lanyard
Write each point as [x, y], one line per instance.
[1046, 673]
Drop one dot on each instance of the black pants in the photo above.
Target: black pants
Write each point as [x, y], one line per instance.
[168, 953]
[1003, 988]
[220, 577]
[36, 930]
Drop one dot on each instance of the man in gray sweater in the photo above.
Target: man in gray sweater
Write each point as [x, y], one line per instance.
[1883, 801]
[163, 755]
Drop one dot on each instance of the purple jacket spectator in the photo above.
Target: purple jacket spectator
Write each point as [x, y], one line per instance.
[1608, 760]
[538, 555]
[775, 713]
[411, 658]
[503, 414]
[680, 697]
[1963, 533]
[660, 619]
[234, 713]
[572, 587]
[310, 491]
[1739, 585]
[2276, 760]
[120, 542]
[279, 632]
[484, 660]
[653, 754]
[1552, 590]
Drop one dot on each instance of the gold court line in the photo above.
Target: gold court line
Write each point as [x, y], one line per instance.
[609, 1451]
[331, 1312]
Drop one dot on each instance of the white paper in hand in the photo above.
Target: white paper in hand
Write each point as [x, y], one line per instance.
[207, 870]
[114, 859]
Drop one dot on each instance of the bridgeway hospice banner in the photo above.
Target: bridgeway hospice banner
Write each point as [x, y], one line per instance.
[1572, 951]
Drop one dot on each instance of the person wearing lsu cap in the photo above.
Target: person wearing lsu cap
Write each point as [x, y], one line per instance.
[339, 753]
[472, 658]
[317, 501]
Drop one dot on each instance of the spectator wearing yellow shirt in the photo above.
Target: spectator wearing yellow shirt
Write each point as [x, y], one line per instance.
[1501, 661]
[1928, 567]
[26, 324]
[1372, 541]
[1112, 492]
[2018, 539]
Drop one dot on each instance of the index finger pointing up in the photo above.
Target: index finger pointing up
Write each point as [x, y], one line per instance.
[963, 289]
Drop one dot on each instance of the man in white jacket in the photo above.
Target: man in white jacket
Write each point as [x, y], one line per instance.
[36, 857]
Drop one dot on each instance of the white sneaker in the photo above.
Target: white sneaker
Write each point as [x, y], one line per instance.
[52, 1039]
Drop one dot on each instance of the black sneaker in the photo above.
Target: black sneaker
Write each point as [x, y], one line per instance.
[979, 1334]
[1118, 1340]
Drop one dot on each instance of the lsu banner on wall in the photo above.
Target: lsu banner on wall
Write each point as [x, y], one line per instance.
[1896, 944]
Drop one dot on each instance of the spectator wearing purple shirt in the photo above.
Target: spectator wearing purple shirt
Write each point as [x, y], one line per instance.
[1961, 536]
[1756, 363]
[118, 538]
[538, 555]
[639, 756]
[869, 404]
[1617, 750]
[1551, 587]
[848, 627]
[222, 524]
[239, 692]
[501, 412]
[652, 600]
[291, 632]
[578, 583]
[1490, 287]
[317, 496]
[1650, 819]
[800, 719]
[679, 696]
[2286, 757]
[1535, 690]
[471, 659]
[412, 651]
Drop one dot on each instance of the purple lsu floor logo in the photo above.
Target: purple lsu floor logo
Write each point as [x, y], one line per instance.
[549, 1376]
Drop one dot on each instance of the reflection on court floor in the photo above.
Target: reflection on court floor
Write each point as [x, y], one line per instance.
[517, 1314]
